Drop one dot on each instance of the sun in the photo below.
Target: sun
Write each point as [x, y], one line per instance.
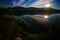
[47, 5]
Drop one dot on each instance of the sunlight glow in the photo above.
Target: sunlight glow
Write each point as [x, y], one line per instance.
[18, 38]
[47, 5]
[46, 16]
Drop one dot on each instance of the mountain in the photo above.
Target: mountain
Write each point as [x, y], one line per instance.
[26, 11]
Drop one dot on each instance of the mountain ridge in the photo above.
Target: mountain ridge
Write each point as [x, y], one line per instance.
[26, 11]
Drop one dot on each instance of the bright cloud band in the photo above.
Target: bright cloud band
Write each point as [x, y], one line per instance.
[31, 3]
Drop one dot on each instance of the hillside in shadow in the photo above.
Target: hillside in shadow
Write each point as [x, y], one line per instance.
[27, 11]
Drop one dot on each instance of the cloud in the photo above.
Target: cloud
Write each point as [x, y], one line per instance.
[20, 2]
[31, 3]
[14, 3]
[39, 2]
[27, 3]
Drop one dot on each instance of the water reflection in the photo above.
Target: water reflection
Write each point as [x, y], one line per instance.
[54, 17]
[38, 25]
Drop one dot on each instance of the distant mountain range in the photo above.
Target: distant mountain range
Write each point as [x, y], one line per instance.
[31, 10]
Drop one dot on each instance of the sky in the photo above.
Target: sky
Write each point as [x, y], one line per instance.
[30, 3]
